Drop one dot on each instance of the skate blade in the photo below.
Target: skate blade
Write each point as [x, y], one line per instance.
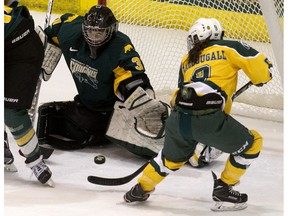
[10, 168]
[50, 183]
[226, 206]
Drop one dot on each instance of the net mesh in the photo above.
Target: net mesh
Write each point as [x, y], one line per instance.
[158, 30]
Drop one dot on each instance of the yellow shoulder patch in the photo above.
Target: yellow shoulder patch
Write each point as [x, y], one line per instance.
[127, 48]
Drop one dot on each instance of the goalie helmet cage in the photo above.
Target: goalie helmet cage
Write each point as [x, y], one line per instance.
[159, 28]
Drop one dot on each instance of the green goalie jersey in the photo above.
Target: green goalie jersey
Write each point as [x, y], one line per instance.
[97, 80]
[216, 69]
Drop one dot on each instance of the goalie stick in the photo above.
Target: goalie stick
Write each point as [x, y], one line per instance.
[124, 180]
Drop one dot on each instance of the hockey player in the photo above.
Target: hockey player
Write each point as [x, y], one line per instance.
[201, 108]
[24, 54]
[106, 69]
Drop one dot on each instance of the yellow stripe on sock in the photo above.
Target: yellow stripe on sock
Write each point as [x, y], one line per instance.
[150, 178]
[231, 175]
[26, 138]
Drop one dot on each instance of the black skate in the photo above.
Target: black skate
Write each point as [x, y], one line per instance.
[8, 157]
[136, 194]
[43, 173]
[226, 198]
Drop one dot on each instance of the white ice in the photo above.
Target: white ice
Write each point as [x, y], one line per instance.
[185, 192]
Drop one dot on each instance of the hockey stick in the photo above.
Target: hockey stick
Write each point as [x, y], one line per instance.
[46, 152]
[241, 90]
[126, 179]
[32, 110]
[116, 181]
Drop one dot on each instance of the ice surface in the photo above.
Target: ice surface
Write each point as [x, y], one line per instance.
[185, 192]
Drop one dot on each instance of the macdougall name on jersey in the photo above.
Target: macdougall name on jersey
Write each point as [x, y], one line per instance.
[21, 36]
[218, 55]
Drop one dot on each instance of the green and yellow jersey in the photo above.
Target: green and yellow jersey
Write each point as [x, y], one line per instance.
[18, 24]
[216, 70]
[96, 80]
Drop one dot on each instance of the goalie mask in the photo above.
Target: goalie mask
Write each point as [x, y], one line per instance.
[204, 29]
[98, 26]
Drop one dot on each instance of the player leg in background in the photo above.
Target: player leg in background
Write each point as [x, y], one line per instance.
[20, 126]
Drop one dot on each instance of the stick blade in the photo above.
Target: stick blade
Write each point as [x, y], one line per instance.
[115, 181]
[108, 181]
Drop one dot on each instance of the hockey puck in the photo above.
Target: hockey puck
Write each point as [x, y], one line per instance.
[99, 159]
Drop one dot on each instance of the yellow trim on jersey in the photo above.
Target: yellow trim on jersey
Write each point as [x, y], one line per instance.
[120, 75]
[173, 98]
[71, 18]
[26, 138]
[55, 40]
[56, 21]
[8, 10]
[7, 18]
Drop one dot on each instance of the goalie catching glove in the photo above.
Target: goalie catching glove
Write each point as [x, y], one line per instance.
[51, 57]
[138, 124]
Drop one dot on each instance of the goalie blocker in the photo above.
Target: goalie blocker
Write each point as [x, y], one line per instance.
[138, 124]
[51, 57]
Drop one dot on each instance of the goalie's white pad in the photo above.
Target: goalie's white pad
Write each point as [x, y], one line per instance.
[140, 121]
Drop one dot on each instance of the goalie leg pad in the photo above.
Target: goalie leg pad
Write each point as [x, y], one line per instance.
[138, 124]
[55, 129]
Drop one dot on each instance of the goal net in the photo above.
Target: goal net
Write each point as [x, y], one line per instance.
[159, 33]
[159, 28]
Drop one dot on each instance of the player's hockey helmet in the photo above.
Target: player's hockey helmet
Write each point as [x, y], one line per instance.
[217, 30]
[99, 25]
[203, 29]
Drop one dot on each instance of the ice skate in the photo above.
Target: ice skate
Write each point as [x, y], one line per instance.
[226, 198]
[8, 157]
[43, 173]
[136, 194]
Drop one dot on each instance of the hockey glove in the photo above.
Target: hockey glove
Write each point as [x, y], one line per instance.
[51, 57]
